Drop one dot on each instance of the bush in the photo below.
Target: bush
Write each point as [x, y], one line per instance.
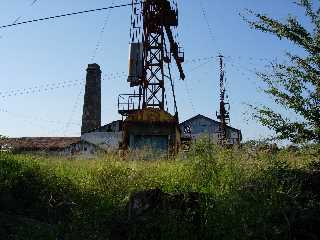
[245, 196]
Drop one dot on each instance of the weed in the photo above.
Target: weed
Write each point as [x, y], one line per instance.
[245, 195]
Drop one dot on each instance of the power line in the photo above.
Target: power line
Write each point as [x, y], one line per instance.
[34, 118]
[67, 15]
[48, 85]
[99, 42]
[74, 108]
[196, 60]
[51, 87]
[189, 97]
[69, 123]
[33, 2]
[250, 59]
[31, 121]
[97, 47]
[234, 63]
[205, 16]
[39, 90]
[18, 18]
[187, 87]
[199, 66]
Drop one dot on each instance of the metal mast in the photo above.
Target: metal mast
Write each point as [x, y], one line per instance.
[151, 26]
[153, 75]
[223, 114]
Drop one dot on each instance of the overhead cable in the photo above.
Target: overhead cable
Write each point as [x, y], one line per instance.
[99, 42]
[66, 15]
[205, 17]
[35, 118]
[33, 2]
[50, 87]
[18, 18]
[74, 109]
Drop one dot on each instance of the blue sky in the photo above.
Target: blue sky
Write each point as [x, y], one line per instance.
[55, 53]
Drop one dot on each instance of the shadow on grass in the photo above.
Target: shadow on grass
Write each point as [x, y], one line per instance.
[278, 202]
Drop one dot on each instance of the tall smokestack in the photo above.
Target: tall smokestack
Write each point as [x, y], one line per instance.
[91, 117]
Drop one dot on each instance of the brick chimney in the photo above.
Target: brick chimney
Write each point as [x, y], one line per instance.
[91, 117]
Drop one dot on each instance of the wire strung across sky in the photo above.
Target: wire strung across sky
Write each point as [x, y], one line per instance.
[73, 112]
[205, 17]
[209, 59]
[35, 118]
[97, 48]
[71, 83]
[36, 89]
[100, 38]
[67, 15]
[33, 2]
[52, 86]
[95, 52]
[19, 17]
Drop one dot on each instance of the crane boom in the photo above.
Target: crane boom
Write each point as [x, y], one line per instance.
[174, 48]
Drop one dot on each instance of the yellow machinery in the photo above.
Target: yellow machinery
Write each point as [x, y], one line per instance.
[152, 128]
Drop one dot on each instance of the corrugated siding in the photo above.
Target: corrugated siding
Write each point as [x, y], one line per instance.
[204, 127]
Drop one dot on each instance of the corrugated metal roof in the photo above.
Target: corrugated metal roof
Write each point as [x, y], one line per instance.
[207, 118]
[38, 143]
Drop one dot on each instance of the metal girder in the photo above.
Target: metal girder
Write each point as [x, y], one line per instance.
[151, 22]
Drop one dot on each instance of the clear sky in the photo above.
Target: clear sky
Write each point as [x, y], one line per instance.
[52, 54]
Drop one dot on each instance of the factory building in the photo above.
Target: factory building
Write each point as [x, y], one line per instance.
[106, 137]
[201, 126]
[95, 138]
[110, 136]
[67, 146]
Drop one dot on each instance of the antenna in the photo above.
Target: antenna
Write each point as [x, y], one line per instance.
[223, 115]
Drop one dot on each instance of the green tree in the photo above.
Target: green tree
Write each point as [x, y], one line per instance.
[294, 86]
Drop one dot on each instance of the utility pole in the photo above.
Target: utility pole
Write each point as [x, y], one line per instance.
[223, 115]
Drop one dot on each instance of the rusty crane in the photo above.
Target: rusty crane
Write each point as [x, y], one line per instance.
[153, 45]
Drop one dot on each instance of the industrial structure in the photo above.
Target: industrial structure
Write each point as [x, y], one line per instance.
[91, 118]
[200, 126]
[220, 131]
[223, 114]
[146, 121]
[152, 47]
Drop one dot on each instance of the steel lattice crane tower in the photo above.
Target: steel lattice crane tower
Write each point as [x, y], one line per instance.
[150, 58]
[223, 115]
[153, 46]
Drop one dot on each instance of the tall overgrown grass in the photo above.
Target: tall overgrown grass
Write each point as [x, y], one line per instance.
[247, 194]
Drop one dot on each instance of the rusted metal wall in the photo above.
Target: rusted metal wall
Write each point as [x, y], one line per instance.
[152, 128]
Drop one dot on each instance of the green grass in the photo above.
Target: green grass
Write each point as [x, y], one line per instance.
[247, 195]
